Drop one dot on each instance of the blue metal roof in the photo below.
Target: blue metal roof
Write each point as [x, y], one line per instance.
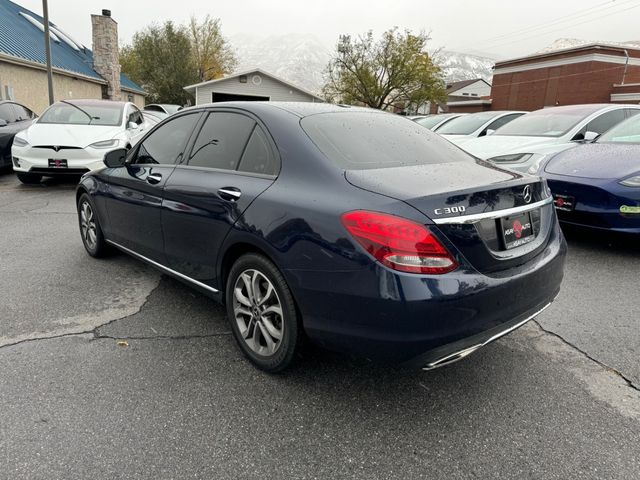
[20, 38]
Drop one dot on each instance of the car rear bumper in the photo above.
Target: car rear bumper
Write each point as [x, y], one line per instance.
[421, 320]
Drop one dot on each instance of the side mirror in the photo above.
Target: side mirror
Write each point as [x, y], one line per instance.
[115, 158]
[490, 132]
[590, 136]
[3, 122]
[132, 125]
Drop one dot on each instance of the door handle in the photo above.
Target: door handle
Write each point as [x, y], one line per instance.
[154, 178]
[229, 193]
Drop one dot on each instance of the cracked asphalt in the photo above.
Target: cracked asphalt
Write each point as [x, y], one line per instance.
[110, 370]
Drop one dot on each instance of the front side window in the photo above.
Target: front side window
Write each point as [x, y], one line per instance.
[467, 124]
[80, 113]
[502, 121]
[221, 141]
[167, 143]
[605, 121]
[22, 113]
[134, 116]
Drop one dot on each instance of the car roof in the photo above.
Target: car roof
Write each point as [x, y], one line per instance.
[300, 109]
[91, 101]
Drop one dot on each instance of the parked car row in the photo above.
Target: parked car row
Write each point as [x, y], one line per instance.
[590, 155]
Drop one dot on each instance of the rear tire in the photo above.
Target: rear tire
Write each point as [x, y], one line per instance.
[29, 178]
[90, 230]
[262, 313]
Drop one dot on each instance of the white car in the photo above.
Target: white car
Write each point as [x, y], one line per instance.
[468, 127]
[72, 136]
[523, 144]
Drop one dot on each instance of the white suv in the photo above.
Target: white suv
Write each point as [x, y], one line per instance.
[524, 143]
[72, 136]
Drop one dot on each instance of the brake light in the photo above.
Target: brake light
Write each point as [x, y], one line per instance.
[399, 243]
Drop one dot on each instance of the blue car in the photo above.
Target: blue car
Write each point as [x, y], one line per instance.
[597, 185]
[357, 229]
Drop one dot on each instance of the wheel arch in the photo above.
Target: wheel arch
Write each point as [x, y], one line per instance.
[233, 253]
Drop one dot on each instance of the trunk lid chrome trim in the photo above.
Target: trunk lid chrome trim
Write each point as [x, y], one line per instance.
[462, 219]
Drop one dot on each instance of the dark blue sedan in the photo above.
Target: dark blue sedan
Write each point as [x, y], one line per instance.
[357, 229]
[598, 185]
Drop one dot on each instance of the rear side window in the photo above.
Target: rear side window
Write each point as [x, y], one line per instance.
[258, 156]
[366, 140]
[168, 142]
[221, 141]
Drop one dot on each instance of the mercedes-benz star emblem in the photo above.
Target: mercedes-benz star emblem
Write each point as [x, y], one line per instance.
[526, 194]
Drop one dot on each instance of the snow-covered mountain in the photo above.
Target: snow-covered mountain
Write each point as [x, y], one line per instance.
[564, 43]
[303, 58]
[462, 66]
[299, 58]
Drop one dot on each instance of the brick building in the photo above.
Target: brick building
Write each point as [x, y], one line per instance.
[594, 73]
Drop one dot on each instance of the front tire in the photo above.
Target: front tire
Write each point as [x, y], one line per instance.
[29, 178]
[262, 313]
[90, 230]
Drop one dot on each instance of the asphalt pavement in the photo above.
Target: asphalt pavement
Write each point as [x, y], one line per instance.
[109, 369]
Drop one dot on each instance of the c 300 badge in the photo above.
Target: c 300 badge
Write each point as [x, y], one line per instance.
[449, 210]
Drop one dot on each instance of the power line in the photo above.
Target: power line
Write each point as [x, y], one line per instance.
[565, 26]
[589, 11]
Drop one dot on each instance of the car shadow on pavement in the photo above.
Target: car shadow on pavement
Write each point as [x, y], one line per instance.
[596, 239]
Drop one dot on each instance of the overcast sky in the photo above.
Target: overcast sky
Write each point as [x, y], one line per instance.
[500, 28]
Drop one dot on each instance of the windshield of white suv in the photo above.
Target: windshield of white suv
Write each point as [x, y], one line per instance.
[548, 122]
[81, 113]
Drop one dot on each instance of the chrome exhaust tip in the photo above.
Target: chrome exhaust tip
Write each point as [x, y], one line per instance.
[452, 358]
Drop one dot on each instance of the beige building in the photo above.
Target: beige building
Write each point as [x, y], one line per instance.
[77, 71]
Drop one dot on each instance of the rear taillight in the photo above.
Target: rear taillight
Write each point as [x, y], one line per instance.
[399, 243]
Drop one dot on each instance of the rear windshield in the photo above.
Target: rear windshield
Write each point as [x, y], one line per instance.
[548, 122]
[625, 132]
[367, 140]
[105, 114]
[466, 124]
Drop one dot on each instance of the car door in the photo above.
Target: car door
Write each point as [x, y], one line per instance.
[232, 161]
[134, 198]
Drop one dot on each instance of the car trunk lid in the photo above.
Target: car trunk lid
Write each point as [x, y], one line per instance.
[495, 218]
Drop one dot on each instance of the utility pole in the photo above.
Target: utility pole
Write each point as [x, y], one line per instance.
[47, 47]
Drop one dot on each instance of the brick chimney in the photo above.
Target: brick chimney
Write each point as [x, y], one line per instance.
[106, 56]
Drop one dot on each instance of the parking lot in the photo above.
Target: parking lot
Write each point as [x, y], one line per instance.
[112, 370]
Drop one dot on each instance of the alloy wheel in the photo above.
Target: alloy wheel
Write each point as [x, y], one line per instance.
[88, 225]
[258, 312]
